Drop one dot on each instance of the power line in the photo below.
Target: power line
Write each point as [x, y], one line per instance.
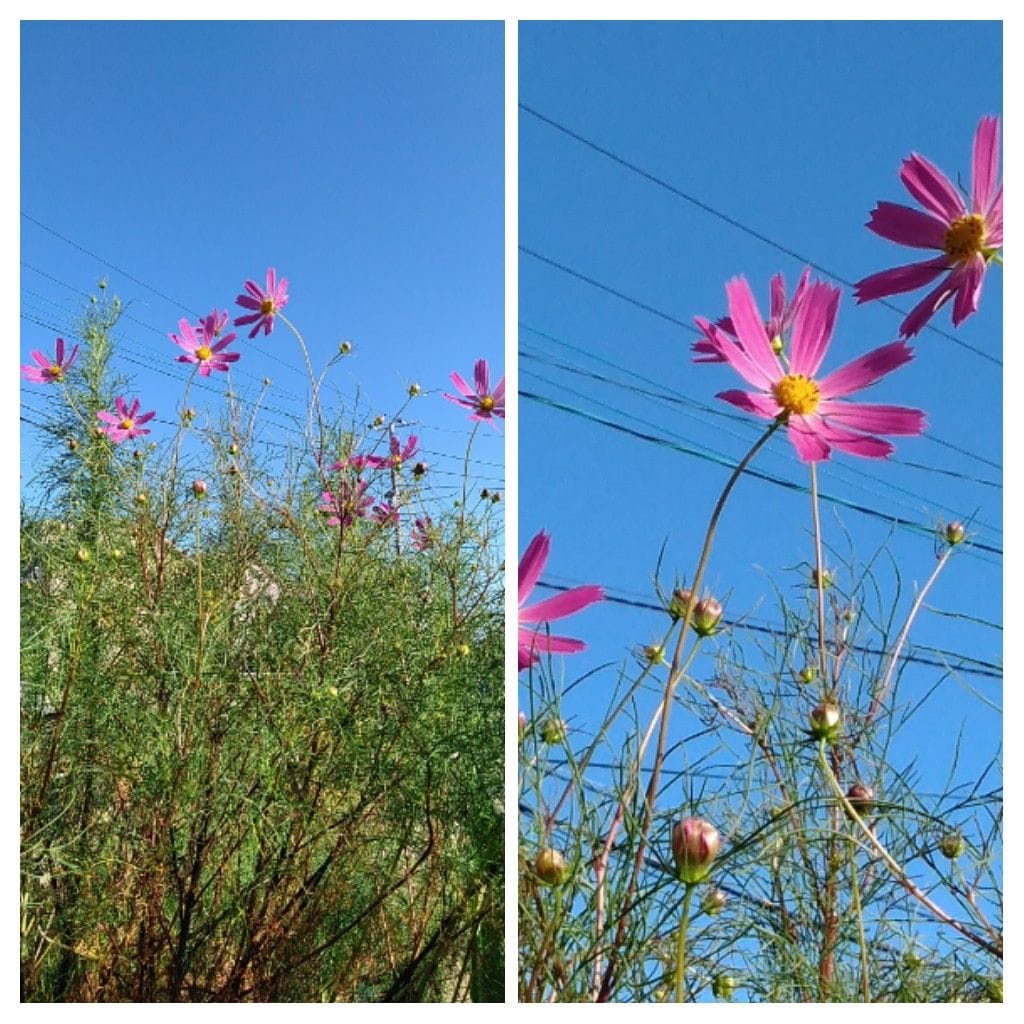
[700, 204]
[978, 666]
[689, 327]
[915, 527]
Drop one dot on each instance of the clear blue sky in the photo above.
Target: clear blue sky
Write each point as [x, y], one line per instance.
[365, 161]
[794, 130]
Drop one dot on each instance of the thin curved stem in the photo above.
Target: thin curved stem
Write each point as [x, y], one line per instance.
[865, 978]
[684, 922]
[819, 576]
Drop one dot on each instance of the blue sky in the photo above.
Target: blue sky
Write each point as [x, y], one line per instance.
[793, 130]
[364, 161]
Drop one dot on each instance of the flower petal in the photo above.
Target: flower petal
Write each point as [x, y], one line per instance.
[864, 445]
[807, 440]
[558, 607]
[531, 565]
[907, 278]
[865, 370]
[480, 377]
[733, 353]
[907, 226]
[984, 164]
[756, 402]
[927, 308]
[967, 279]
[931, 188]
[750, 330]
[812, 330]
[873, 419]
[461, 384]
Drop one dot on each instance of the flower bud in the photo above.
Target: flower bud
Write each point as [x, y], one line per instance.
[723, 986]
[695, 844]
[954, 533]
[117, 554]
[714, 902]
[266, 382]
[485, 493]
[554, 730]
[495, 497]
[677, 606]
[550, 867]
[378, 421]
[654, 654]
[199, 488]
[345, 347]
[952, 845]
[464, 650]
[83, 555]
[72, 444]
[706, 614]
[232, 448]
[826, 722]
[861, 798]
[232, 470]
[142, 498]
[777, 345]
[188, 415]
[419, 469]
[826, 578]
[414, 390]
[807, 675]
[522, 724]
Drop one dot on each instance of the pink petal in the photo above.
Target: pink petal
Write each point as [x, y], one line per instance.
[40, 358]
[108, 417]
[807, 440]
[271, 281]
[244, 300]
[750, 329]
[531, 565]
[145, 417]
[758, 403]
[865, 370]
[561, 605]
[557, 644]
[865, 446]
[499, 393]
[34, 374]
[187, 359]
[873, 419]
[458, 381]
[798, 299]
[813, 328]
[984, 163]
[931, 188]
[994, 221]
[927, 308]
[778, 297]
[254, 290]
[480, 377]
[900, 279]
[908, 226]
[733, 354]
[968, 279]
[71, 358]
[121, 407]
[60, 350]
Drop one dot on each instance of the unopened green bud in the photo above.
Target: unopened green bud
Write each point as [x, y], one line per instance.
[807, 675]
[83, 555]
[654, 654]
[233, 448]
[414, 390]
[695, 845]
[777, 345]
[706, 616]
[723, 986]
[378, 421]
[680, 600]
[714, 902]
[954, 533]
[550, 867]
[554, 730]
[952, 845]
[142, 498]
[345, 347]
[826, 578]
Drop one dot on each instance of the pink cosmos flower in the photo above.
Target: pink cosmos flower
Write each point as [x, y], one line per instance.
[398, 456]
[346, 504]
[484, 403]
[422, 534]
[968, 240]
[204, 348]
[266, 303]
[534, 639]
[357, 463]
[46, 372]
[778, 325]
[127, 423]
[214, 322]
[817, 418]
[386, 515]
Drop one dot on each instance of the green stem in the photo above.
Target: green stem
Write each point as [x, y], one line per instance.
[865, 978]
[819, 576]
[684, 922]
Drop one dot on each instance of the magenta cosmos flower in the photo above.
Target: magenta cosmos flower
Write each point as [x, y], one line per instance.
[347, 503]
[422, 533]
[968, 239]
[214, 322]
[386, 515]
[484, 403]
[817, 417]
[265, 303]
[399, 453]
[778, 325]
[46, 372]
[533, 638]
[127, 423]
[204, 349]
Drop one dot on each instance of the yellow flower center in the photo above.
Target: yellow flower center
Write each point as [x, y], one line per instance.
[396, 461]
[55, 373]
[487, 403]
[204, 352]
[797, 394]
[267, 307]
[964, 237]
[126, 423]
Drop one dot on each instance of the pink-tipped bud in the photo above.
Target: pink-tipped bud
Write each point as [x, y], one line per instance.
[419, 469]
[954, 533]
[72, 443]
[861, 798]
[706, 616]
[554, 730]
[522, 724]
[680, 600]
[695, 844]
[550, 867]
[714, 902]
[952, 845]
[826, 722]
[199, 488]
